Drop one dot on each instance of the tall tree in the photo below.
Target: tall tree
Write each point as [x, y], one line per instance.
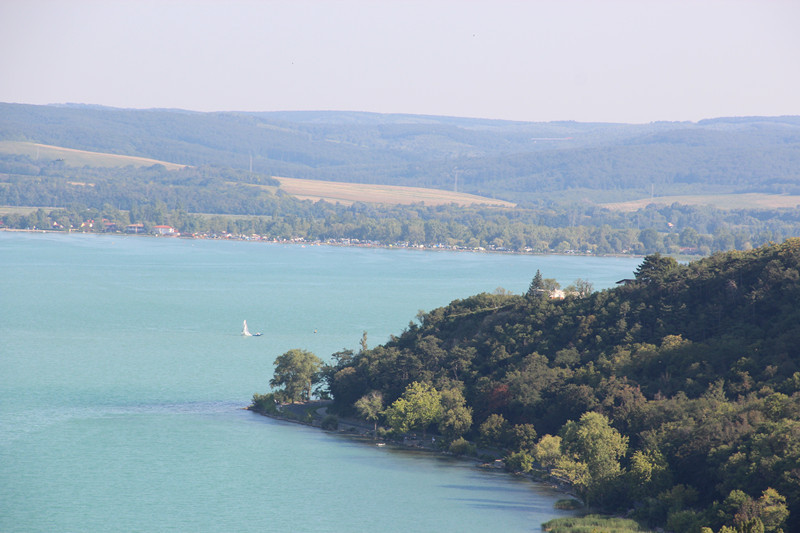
[418, 407]
[581, 288]
[370, 406]
[536, 287]
[593, 451]
[296, 371]
[456, 416]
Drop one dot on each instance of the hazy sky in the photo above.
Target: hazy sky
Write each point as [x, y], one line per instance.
[590, 60]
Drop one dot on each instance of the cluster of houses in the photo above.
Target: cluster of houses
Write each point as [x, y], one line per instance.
[109, 226]
[157, 230]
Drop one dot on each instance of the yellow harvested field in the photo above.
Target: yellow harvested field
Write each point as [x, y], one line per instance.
[79, 158]
[721, 201]
[347, 193]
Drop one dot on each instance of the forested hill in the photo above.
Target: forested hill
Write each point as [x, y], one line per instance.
[677, 393]
[517, 161]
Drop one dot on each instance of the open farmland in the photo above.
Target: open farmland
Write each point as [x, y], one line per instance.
[348, 193]
[331, 191]
[720, 201]
[79, 158]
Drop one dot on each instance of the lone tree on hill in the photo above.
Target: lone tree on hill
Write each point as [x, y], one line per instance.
[296, 371]
[536, 287]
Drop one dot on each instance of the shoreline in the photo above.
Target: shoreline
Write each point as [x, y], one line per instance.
[361, 431]
[332, 242]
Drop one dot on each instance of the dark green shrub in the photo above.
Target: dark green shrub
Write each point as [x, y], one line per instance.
[519, 462]
[568, 504]
[330, 422]
[264, 403]
[461, 446]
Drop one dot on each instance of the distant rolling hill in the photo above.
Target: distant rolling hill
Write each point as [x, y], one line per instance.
[334, 192]
[522, 162]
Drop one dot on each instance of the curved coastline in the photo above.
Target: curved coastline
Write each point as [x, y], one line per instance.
[360, 430]
[344, 243]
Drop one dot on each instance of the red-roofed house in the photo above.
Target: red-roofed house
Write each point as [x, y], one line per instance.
[163, 230]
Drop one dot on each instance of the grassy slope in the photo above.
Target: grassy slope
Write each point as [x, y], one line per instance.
[341, 192]
[721, 201]
[347, 193]
[79, 158]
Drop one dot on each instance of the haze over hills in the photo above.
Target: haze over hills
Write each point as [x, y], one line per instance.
[514, 161]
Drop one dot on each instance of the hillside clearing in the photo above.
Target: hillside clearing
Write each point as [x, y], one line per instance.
[345, 193]
[21, 210]
[721, 201]
[348, 193]
[79, 158]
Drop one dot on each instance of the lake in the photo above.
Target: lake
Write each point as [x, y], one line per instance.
[123, 377]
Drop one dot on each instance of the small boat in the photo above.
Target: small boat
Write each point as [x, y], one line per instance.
[246, 332]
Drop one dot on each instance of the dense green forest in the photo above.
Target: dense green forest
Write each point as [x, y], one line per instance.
[515, 161]
[675, 396]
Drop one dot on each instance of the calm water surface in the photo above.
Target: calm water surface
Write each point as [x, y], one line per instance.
[123, 374]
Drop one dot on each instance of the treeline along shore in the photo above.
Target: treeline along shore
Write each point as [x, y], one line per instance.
[674, 398]
[697, 231]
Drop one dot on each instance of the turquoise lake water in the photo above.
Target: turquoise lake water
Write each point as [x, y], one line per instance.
[123, 375]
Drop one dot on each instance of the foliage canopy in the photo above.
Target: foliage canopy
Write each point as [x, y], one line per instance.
[296, 371]
[677, 394]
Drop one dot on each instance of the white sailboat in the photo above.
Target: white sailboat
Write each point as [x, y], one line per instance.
[246, 332]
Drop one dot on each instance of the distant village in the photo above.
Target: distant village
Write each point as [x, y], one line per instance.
[162, 230]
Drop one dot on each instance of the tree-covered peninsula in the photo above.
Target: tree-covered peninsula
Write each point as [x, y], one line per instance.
[674, 396]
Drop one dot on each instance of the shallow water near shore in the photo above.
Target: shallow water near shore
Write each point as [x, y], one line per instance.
[123, 375]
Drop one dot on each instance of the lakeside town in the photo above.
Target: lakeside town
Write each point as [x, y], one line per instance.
[162, 230]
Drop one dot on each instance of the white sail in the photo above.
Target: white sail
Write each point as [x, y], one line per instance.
[245, 331]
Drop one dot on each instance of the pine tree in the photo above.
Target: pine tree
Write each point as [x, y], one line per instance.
[537, 286]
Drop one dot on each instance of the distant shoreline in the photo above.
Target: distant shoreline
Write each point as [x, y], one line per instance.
[334, 242]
